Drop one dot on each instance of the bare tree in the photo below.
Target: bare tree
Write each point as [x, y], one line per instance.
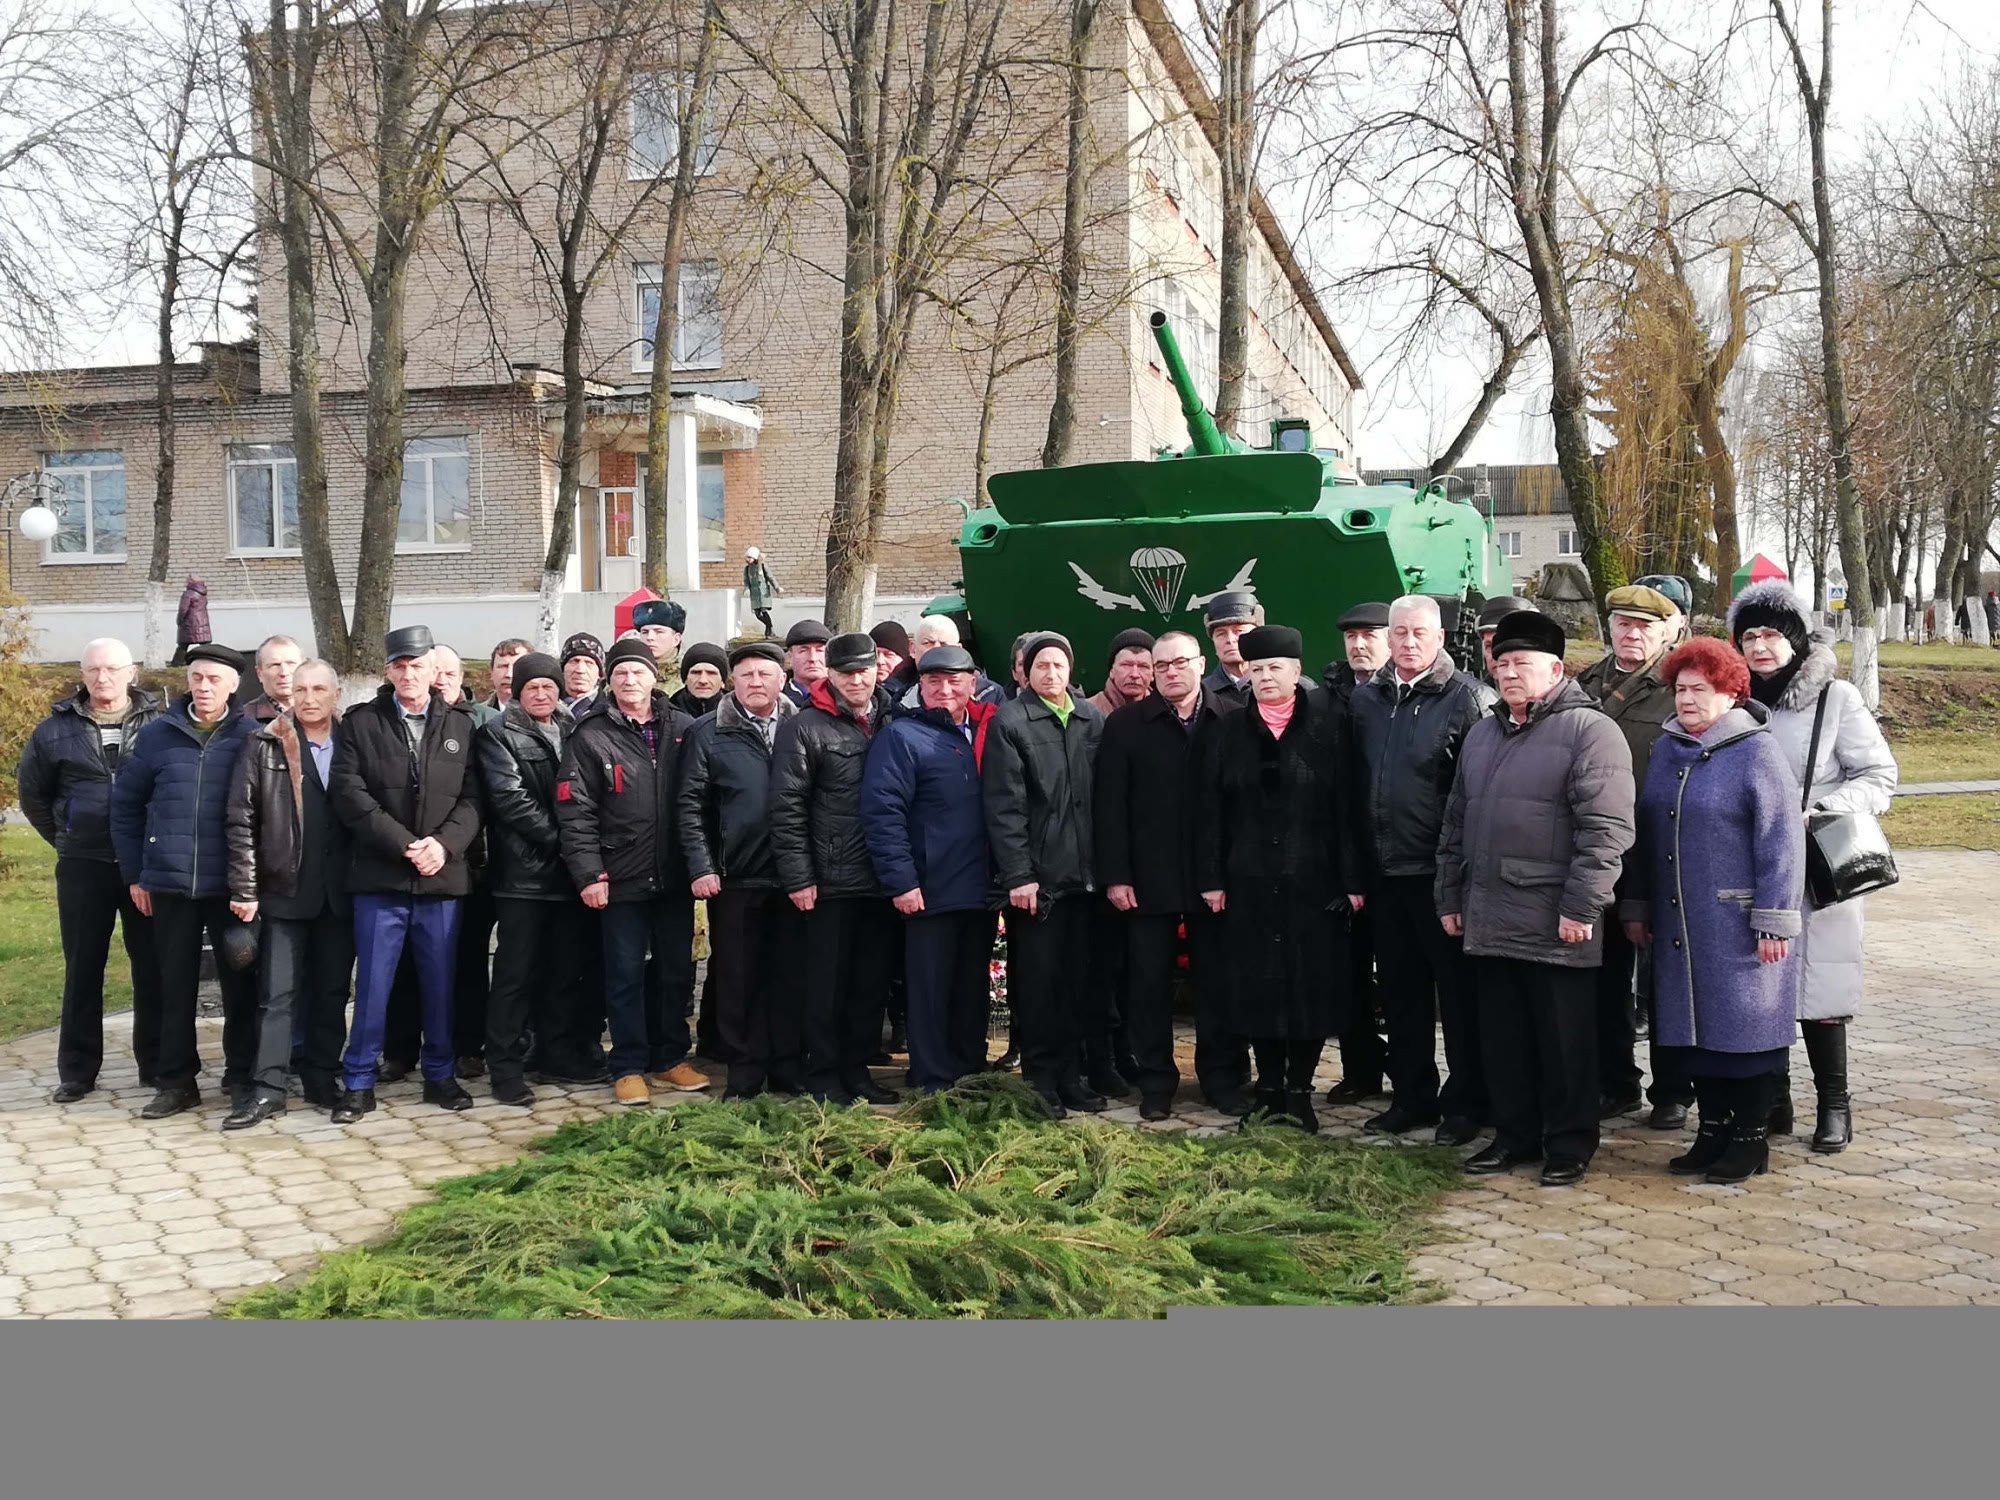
[1077, 164]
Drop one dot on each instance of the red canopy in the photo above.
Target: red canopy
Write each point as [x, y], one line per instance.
[621, 616]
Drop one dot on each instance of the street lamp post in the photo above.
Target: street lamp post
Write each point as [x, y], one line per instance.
[42, 516]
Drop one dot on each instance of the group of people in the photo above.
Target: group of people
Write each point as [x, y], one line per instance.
[1526, 860]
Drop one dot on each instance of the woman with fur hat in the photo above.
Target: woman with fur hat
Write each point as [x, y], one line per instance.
[1794, 675]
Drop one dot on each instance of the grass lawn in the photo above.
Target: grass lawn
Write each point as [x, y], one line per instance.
[31, 963]
[1946, 755]
[1970, 821]
[966, 1205]
[1931, 654]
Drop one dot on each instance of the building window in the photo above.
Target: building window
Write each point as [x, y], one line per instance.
[263, 500]
[708, 494]
[1510, 543]
[698, 325]
[1568, 544]
[655, 122]
[437, 495]
[88, 496]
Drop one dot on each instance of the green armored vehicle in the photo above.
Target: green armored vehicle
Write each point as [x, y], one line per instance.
[1095, 549]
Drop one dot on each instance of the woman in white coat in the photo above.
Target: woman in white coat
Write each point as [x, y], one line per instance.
[1792, 674]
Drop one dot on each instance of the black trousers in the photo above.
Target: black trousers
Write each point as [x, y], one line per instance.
[1284, 1064]
[90, 898]
[1048, 983]
[306, 973]
[1100, 1017]
[947, 958]
[472, 978]
[1151, 943]
[178, 925]
[537, 978]
[1424, 984]
[757, 1019]
[845, 964]
[1363, 1054]
[1617, 1014]
[1221, 1057]
[1538, 1030]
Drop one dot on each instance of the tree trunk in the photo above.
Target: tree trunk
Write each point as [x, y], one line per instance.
[1069, 279]
[1489, 396]
[158, 621]
[1236, 108]
[382, 472]
[569, 464]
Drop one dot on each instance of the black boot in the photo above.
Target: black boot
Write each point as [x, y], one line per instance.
[1267, 1105]
[1826, 1046]
[1749, 1151]
[1299, 1110]
[1782, 1121]
[1102, 1074]
[1712, 1139]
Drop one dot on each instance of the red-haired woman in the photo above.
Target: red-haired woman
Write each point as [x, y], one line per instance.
[1717, 879]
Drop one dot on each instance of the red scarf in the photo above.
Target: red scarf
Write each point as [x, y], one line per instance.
[1277, 715]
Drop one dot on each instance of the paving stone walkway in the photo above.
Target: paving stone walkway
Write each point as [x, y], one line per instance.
[105, 1215]
[1945, 788]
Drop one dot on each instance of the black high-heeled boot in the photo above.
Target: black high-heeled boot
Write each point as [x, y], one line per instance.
[1782, 1121]
[1712, 1139]
[1826, 1047]
[1749, 1151]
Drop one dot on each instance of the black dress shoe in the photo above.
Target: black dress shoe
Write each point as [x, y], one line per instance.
[1007, 1062]
[319, 1093]
[1609, 1106]
[1457, 1130]
[1668, 1114]
[513, 1091]
[881, 1059]
[395, 1069]
[354, 1103]
[1075, 1095]
[1228, 1101]
[69, 1093]
[867, 1088]
[785, 1087]
[1354, 1090]
[1106, 1080]
[471, 1066]
[255, 1110]
[1153, 1107]
[172, 1101]
[1299, 1111]
[836, 1097]
[1497, 1158]
[446, 1093]
[1564, 1171]
[1396, 1120]
[1052, 1097]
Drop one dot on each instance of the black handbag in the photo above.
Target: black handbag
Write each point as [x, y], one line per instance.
[1847, 853]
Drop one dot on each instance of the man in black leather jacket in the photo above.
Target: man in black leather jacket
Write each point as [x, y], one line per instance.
[1406, 725]
[821, 853]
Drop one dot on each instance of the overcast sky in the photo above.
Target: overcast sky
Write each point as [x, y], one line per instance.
[1889, 54]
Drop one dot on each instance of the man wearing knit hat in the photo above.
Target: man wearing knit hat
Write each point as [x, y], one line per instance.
[704, 678]
[582, 664]
[1129, 677]
[1037, 781]
[1626, 686]
[1534, 837]
[620, 839]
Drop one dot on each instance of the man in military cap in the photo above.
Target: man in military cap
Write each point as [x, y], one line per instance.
[1627, 687]
[1534, 838]
[660, 623]
[805, 659]
[1228, 616]
[403, 783]
[169, 802]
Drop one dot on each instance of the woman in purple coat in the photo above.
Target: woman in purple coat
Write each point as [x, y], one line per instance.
[1716, 887]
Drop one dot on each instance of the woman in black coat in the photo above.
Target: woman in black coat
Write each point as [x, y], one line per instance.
[1267, 860]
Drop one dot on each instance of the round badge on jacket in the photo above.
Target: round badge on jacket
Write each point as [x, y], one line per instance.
[451, 747]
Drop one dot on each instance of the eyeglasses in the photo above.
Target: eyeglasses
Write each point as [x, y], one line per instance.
[1175, 663]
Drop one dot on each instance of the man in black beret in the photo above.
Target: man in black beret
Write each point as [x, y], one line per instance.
[660, 623]
[1534, 838]
[169, 802]
[805, 657]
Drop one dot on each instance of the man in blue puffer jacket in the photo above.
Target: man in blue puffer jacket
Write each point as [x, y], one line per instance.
[925, 820]
[167, 824]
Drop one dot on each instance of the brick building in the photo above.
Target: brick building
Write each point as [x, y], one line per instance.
[755, 390]
[1527, 503]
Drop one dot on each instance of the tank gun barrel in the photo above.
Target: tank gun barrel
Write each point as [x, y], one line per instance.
[1202, 431]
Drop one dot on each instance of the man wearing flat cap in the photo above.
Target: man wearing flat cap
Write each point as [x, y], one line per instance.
[1626, 685]
[805, 659]
[1406, 726]
[620, 835]
[1037, 779]
[722, 807]
[1364, 636]
[169, 804]
[923, 816]
[1228, 615]
[821, 851]
[660, 623]
[1491, 613]
[1534, 836]
[405, 784]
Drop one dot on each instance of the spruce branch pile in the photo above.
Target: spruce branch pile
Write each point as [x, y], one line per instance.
[967, 1204]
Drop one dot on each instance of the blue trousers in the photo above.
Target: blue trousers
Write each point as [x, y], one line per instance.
[647, 1003]
[382, 924]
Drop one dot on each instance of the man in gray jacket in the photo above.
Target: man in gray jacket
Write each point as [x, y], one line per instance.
[1534, 837]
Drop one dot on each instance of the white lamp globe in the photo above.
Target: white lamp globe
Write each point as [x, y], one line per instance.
[38, 523]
